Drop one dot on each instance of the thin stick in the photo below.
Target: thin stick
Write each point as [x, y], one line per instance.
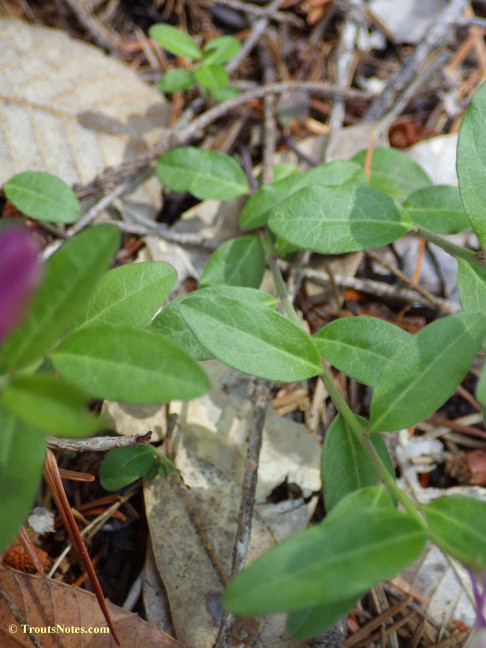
[269, 129]
[440, 304]
[257, 31]
[432, 39]
[344, 60]
[173, 137]
[249, 8]
[245, 516]
[98, 444]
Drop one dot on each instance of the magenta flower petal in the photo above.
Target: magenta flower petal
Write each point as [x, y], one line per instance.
[20, 272]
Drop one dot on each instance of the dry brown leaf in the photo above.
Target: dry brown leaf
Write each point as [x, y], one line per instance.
[50, 607]
[192, 525]
[67, 108]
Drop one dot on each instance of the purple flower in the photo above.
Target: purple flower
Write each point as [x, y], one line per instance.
[20, 272]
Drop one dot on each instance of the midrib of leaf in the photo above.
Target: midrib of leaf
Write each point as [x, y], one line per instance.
[454, 522]
[351, 556]
[251, 338]
[115, 304]
[45, 198]
[93, 361]
[206, 176]
[354, 348]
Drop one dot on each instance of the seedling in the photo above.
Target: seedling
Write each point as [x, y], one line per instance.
[209, 73]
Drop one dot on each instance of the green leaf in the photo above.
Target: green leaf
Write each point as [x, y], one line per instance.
[238, 262]
[345, 465]
[177, 79]
[314, 619]
[481, 392]
[360, 346]
[422, 375]
[129, 295]
[43, 196]
[284, 170]
[223, 94]
[368, 498]
[332, 220]
[169, 322]
[126, 364]
[471, 283]
[257, 210]
[471, 163]
[213, 77]
[205, 174]
[70, 277]
[122, 466]
[326, 564]
[438, 208]
[221, 50]
[51, 405]
[394, 172]
[175, 41]
[22, 455]
[460, 524]
[250, 337]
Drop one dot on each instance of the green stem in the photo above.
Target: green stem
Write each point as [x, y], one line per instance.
[451, 248]
[346, 412]
[278, 280]
[338, 400]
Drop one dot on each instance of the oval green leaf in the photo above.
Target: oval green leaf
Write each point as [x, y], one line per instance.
[22, 456]
[332, 220]
[471, 282]
[346, 466]
[70, 277]
[257, 210]
[126, 364]
[50, 405]
[129, 295]
[213, 77]
[438, 208]
[471, 163]
[122, 466]
[367, 498]
[221, 50]
[43, 196]
[394, 172]
[250, 337]
[175, 41]
[326, 564]
[360, 346]
[177, 79]
[460, 524]
[169, 322]
[238, 262]
[481, 392]
[422, 375]
[314, 619]
[205, 174]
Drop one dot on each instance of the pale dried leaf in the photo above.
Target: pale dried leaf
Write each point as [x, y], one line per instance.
[67, 108]
[194, 557]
